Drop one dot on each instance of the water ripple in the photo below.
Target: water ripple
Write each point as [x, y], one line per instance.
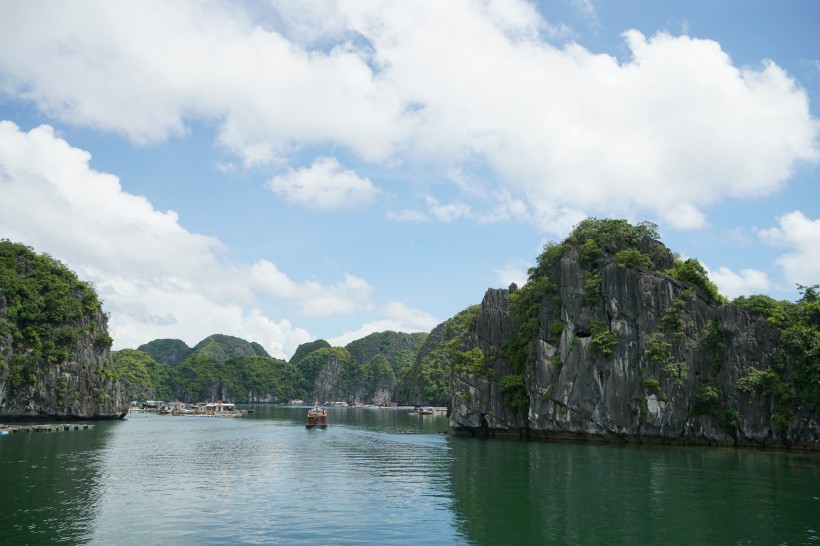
[387, 478]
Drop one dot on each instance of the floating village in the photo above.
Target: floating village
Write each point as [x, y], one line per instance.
[203, 409]
[316, 415]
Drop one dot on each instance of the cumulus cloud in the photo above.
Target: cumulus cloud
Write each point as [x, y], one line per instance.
[407, 215]
[446, 212]
[324, 186]
[486, 207]
[587, 10]
[670, 130]
[398, 318]
[50, 193]
[434, 210]
[801, 236]
[747, 282]
[512, 273]
[314, 299]
[154, 276]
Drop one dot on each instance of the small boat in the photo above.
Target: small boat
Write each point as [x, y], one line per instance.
[316, 418]
[426, 410]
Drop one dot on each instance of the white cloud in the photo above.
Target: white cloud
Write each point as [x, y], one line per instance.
[434, 210]
[50, 193]
[486, 207]
[747, 282]
[407, 215]
[801, 235]
[490, 204]
[447, 212]
[399, 318]
[156, 278]
[669, 132]
[587, 10]
[513, 273]
[342, 298]
[683, 215]
[225, 168]
[324, 186]
[414, 320]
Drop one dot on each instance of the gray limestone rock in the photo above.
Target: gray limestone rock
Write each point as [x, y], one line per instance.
[672, 350]
[81, 387]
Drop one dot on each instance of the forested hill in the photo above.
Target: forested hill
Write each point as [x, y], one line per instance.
[55, 358]
[228, 368]
[166, 351]
[220, 367]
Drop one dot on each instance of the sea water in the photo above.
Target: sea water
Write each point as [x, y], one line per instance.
[384, 476]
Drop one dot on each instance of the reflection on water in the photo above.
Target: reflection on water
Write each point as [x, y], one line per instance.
[565, 493]
[386, 477]
[267, 479]
[51, 485]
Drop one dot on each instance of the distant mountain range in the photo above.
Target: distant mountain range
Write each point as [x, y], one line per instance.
[228, 368]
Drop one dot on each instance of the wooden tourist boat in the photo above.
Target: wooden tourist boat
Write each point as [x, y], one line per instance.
[316, 418]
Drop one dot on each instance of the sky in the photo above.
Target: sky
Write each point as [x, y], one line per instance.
[285, 171]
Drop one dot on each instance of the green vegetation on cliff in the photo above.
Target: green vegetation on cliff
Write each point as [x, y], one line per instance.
[692, 271]
[142, 377]
[333, 374]
[46, 307]
[609, 318]
[166, 351]
[306, 348]
[246, 378]
[230, 368]
[54, 342]
[445, 350]
[200, 377]
[365, 370]
[398, 348]
[379, 376]
[221, 347]
[595, 241]
[794, 379]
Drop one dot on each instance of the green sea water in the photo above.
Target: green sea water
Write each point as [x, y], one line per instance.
[387, 477]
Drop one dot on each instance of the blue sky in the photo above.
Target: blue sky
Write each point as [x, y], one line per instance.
[287, 171]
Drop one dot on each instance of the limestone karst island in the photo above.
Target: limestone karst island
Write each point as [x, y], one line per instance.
[612, 338]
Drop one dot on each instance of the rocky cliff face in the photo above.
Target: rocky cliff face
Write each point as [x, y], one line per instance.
[477, 403]
[332, 374]
[636, 357]
[330, 385]
[365, 370]
[55, 357]
[80, 387]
